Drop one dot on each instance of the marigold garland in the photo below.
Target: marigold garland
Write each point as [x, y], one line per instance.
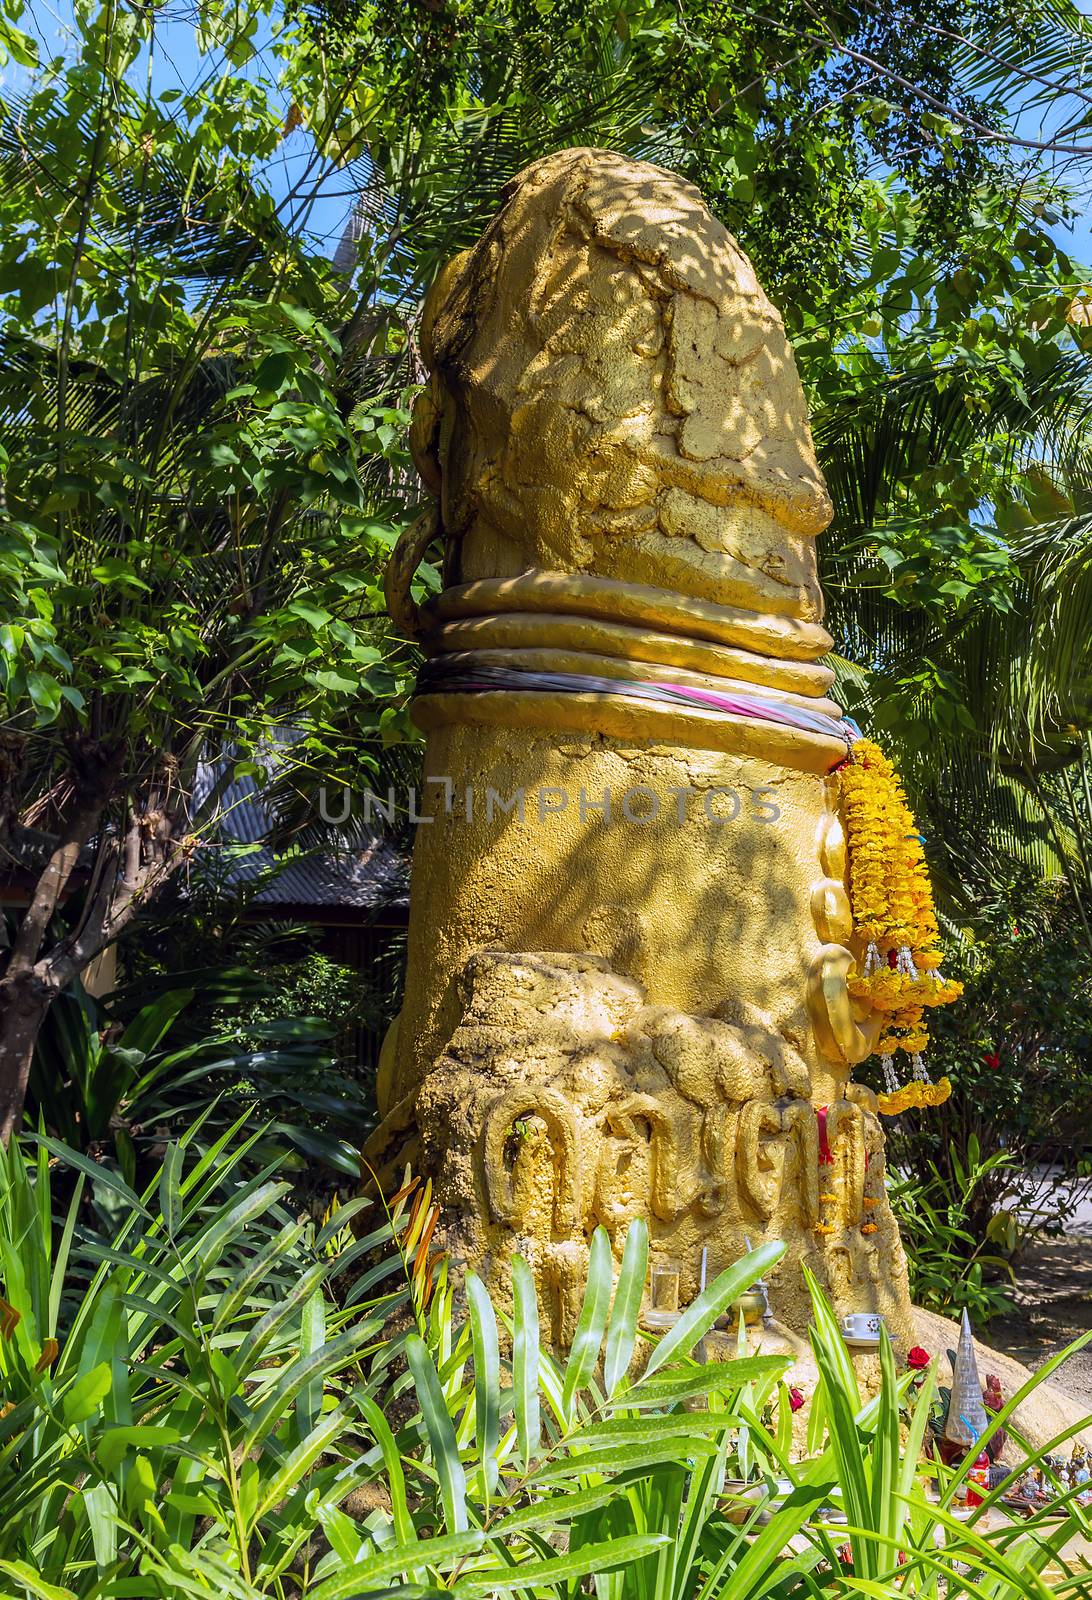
[894, 920]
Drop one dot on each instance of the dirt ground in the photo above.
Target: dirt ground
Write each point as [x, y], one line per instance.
[1053, 1306]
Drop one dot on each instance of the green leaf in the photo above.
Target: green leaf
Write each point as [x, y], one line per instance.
[525, 1354]
[628, 1458]
[233, 1218]
[559, 1510]
[676, 1385]
[592, 1323]
[313, 615]
[404, 1530]
[33, 1583]
[45, 693]
[353, 1582]
[267, 1416]
[299, 1462]
[312, 1338]
[274, 370]
[441, 1434]
[622, 1432]
[94, 1170]
[590, 1558]
[483, 1325]
[112, 569]
[86, 1395]
[170, 1194]
[628, 1293]
[699, 1317]
[98, 1506]
[116, 1443]
[887, 1512]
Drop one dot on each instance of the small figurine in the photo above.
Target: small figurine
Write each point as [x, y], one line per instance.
[993, 1401]
[978, 1480]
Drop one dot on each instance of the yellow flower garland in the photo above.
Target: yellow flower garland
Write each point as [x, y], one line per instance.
[894, 921]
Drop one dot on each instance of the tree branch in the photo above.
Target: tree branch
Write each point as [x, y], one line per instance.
[148, 857]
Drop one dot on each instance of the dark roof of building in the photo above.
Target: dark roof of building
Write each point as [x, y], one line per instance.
[365, 871]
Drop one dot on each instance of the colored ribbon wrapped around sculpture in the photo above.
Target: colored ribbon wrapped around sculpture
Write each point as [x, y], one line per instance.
[895, 922]
[460, 673]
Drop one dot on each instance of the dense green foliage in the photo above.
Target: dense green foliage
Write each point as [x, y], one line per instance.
[116, 1077]
[1018, 1049]
[952, 1255]
[210, 1396]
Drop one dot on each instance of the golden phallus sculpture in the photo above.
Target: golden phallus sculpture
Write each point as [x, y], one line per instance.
[630, 936]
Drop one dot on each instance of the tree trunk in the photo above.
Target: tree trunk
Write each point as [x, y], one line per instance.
[127, 875]
[25, 997]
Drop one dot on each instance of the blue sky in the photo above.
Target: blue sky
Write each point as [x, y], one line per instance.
[179, 64]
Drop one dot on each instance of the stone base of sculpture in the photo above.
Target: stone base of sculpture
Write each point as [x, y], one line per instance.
[564, 1101]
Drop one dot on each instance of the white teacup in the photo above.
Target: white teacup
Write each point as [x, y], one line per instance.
[861, 1325]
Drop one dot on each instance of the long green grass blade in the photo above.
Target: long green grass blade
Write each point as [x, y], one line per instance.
[626, 1308]
[299, 1462]
[170, 1190]
[441, 1434]
[64, 1251]
[233, 1218]
[699, 1505]
[592, 1323]
[274, 1319]
[33, 1583]
[887, 1511]
[525, 1357]
[242, 1285]
[699, 1317]
[330, 1357]
[354, 1583]
[93, 1170]
[625, 1458]
[483, 1325]
[842, 1399]
[827, 1330]
[675, 1385]
[757, 1571]
[590, 1558]
[555, 1510]
[404, 1530]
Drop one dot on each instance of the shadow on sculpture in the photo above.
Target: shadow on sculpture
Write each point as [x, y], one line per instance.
[630, 934]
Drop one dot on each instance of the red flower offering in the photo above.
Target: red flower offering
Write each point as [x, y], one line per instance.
[796, 1398]
[917, 1358]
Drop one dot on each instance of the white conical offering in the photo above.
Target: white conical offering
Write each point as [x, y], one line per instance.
[966, 1421]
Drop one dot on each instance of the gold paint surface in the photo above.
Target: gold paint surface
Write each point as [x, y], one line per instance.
[831, 911]
[832, 847]
[611, 394]
[642, 604]
[613, 1014]
[528, 631]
